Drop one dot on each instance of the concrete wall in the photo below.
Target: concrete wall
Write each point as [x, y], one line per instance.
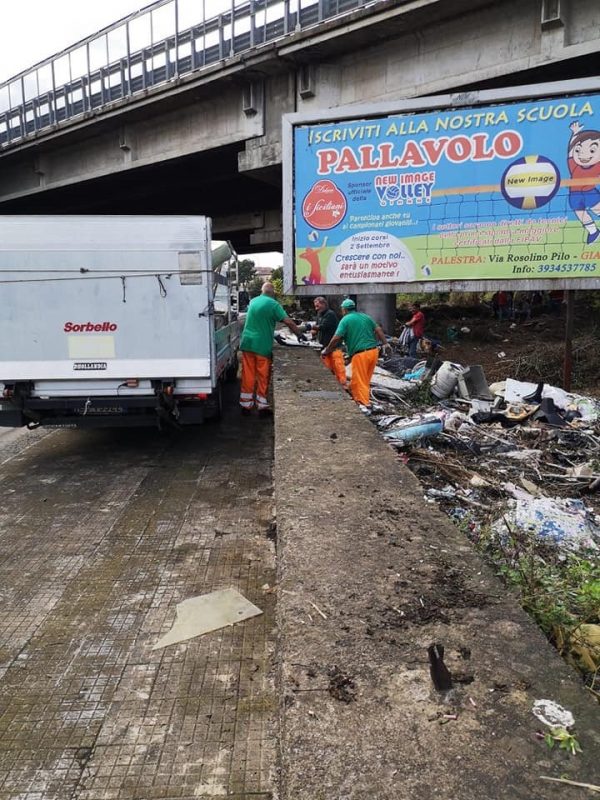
[488, 43]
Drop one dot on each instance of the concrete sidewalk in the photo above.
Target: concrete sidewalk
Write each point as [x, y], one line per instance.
[102, 534]
[369, 577]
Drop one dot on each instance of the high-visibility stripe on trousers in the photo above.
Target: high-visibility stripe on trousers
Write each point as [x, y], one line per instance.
[335, 362]
[256, 374]
[363, 366]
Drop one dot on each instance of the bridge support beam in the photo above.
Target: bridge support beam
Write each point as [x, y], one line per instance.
[381, 307]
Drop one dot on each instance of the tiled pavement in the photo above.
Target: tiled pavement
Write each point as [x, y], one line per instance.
[102, 533]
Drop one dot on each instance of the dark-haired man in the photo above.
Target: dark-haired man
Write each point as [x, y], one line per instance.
[325, 327]
[417, 324]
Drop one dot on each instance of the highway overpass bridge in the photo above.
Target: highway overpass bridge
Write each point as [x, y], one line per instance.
[177, 108]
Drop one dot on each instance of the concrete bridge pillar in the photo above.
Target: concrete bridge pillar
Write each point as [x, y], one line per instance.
[382, 307]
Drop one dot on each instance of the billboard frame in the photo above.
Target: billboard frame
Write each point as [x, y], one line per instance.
[428, 103]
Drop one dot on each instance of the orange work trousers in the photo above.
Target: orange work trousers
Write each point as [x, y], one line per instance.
[363, 366]
[335, 362]
[256, 374]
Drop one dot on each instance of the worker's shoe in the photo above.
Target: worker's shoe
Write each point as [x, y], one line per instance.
[265, 412]
[246, 412]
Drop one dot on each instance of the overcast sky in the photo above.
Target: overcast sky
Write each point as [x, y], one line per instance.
[31, 30]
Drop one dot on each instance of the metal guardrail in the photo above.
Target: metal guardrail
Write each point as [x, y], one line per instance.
[165, 40]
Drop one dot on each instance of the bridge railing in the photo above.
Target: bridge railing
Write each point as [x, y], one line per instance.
[165, 40]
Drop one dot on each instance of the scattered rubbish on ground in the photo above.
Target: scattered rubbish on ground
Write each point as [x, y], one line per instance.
[206, 613]
[419, 427]
[552, 715]
[341, 686]
[440, 675]
[516, 465]
[567, 523]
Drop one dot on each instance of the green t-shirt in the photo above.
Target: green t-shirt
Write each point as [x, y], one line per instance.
[358, 331]
[263, 314]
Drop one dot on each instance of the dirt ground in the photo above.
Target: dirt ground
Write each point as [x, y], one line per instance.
[533, 350]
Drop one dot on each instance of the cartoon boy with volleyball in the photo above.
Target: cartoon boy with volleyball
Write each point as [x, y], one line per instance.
[584, 165]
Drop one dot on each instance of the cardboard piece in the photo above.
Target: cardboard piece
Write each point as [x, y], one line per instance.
[206, 613]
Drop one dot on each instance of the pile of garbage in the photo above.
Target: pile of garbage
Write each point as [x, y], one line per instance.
[499, 457]
[517, 467]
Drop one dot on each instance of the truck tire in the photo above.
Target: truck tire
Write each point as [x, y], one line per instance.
[214, 404]
[232, 371]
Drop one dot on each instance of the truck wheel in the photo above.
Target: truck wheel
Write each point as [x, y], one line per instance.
[232, 371]
[214, 405]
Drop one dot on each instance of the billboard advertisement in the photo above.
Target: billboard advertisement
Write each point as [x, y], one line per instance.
[498, 192]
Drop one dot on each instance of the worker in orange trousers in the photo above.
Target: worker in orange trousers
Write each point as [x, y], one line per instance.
[362, 336]
[264, 312]
[325, 328]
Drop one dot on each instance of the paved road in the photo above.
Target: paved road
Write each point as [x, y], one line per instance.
[101, 534]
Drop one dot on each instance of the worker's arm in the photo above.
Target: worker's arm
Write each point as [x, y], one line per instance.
[411, 322]
[335, 341]
[294, 328]
[380, 335]
[387, 348]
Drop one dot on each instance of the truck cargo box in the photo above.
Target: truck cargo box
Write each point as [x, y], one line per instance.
[112, 320]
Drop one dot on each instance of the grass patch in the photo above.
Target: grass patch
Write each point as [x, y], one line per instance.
[561, 591]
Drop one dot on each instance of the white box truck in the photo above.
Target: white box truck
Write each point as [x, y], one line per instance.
[113, 321]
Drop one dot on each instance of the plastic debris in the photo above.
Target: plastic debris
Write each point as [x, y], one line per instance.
[473, 385]
[419, 427]
[566, 523]
[552, 715]
[587, 407]
[384, 379]
[447, 493]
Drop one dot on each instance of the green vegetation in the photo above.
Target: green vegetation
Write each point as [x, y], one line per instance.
[561, 591]
[565, 740]
[246, 272]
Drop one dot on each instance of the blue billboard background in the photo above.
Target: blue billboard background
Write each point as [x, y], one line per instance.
[507, 191]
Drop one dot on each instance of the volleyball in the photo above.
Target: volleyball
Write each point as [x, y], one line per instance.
[313, 236]
[530, 182]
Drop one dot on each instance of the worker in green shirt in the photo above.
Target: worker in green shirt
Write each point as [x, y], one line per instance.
[361, 335]
[264, 312]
